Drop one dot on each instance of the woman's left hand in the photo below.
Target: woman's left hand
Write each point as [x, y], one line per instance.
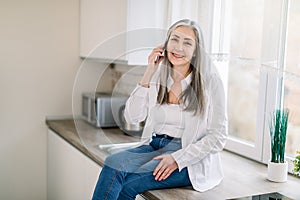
[165, 168]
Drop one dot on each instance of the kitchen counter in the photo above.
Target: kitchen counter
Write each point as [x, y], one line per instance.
[243, 177]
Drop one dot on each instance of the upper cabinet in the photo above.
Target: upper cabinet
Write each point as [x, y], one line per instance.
[121, 31]
[126, 31]
[146, 29]
[103, 25]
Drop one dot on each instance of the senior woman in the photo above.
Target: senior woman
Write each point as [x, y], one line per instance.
[182, 99]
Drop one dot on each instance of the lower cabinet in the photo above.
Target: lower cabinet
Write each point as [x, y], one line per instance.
[70, 174]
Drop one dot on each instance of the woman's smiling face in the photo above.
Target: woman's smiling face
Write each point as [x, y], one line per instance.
[181, 46]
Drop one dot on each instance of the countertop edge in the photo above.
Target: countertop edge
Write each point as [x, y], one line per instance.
[76, 144]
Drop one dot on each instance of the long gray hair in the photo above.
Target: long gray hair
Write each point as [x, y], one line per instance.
[193, 96]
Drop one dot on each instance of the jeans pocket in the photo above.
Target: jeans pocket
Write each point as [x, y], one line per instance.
[155, 143]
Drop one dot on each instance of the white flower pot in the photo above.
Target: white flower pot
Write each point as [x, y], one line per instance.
[277, 172]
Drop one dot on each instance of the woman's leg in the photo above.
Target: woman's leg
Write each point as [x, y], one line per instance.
[143, 179]
[117, 167]
[138, 183]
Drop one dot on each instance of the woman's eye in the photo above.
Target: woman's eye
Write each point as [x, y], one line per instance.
[188, 43]
[174, 39]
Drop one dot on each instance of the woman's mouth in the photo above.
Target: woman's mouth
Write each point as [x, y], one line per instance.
[178, 56]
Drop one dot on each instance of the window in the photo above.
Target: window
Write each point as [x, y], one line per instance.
[263, 73]
[244, 77]
[292, 78]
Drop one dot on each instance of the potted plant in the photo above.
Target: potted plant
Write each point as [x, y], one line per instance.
[277, 166]
[296, 170]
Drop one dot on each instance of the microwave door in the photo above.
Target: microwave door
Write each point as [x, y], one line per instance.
[93, 110]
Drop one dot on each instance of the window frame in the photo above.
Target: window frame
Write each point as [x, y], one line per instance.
[271, 78]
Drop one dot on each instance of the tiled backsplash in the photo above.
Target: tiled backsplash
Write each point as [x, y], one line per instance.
[122, 79]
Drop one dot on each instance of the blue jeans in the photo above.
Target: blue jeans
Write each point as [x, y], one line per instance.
[129, 173]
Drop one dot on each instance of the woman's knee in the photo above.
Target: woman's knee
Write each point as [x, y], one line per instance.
[114, 160]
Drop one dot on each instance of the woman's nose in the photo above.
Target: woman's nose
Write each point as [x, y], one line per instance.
[179, 46]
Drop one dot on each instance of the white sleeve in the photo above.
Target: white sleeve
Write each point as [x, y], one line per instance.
[136, 108]
[215, 135]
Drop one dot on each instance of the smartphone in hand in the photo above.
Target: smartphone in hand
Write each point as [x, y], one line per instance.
[159, 57]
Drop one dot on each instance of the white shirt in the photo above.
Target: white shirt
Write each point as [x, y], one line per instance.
[203, 137]
[168, 119]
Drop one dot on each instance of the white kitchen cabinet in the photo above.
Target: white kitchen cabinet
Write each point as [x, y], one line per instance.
[70, 174]
[121, 31]
[147, 26]
[103, 26]
[126, 31]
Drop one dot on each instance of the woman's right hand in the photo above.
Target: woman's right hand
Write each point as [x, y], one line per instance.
[155, 57]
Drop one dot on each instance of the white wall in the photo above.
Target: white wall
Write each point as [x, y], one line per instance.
[39, 48]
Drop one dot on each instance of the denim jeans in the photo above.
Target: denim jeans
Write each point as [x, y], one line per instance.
[129, 173]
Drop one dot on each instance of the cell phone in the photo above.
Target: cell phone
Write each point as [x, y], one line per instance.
[158, 57]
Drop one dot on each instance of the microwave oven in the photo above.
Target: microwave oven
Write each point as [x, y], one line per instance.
[102, 109]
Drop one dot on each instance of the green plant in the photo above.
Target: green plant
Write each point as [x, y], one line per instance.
[278, 128]
[296, 170]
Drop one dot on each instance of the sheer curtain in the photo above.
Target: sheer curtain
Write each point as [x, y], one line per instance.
[153, 18]
[179, 9]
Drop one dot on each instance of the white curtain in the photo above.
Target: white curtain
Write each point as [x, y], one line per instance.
[200, 11]
[181, 9]
[160, 15]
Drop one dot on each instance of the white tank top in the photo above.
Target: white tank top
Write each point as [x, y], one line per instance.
[168, 119]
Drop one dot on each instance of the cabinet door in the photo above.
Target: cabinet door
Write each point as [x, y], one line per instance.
[103, 29]
[146, 29]
[70, 174]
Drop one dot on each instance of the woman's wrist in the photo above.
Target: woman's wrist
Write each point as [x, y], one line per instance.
[146, 79]
[145, 82]
[146, 85]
